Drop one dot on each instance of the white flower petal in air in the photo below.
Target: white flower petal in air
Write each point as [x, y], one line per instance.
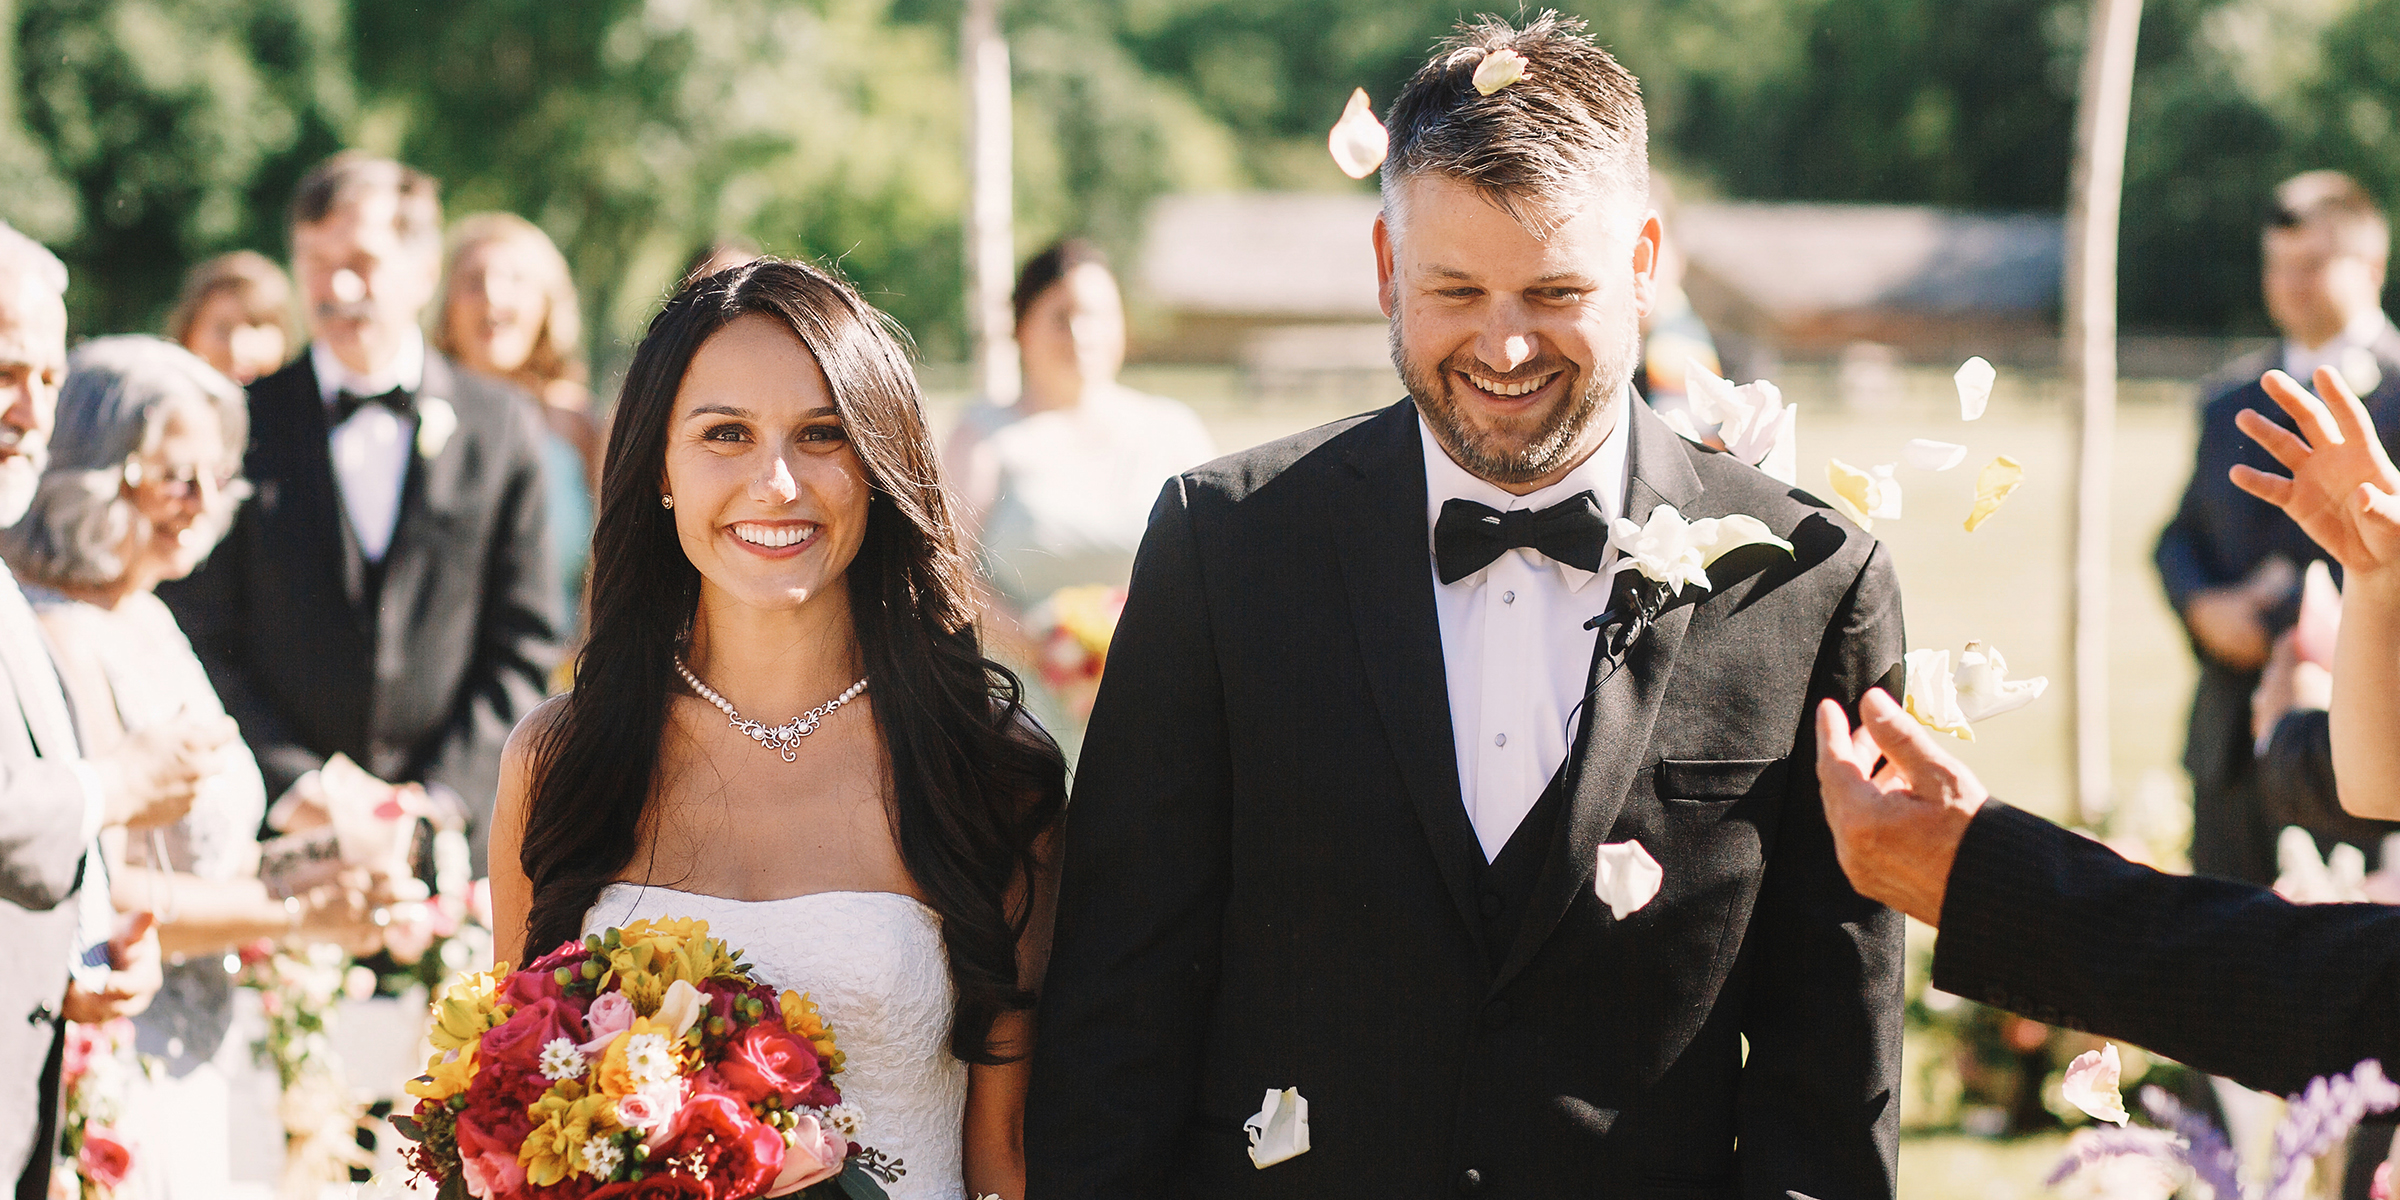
[1752, 420]
[1932, 694]
[2303, 878]
[1681, 422]
[1998, 478]
[1984, 688]
[1672, 551]
[436, 421]
[2093, 1084]
[1974, 380]
[1926, 454]
[1864, 496]
[1498, 70]
[1358, 140]
[1279, 1129]
[1626, 878]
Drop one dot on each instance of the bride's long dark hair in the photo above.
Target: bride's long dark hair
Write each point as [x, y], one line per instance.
[975, 785]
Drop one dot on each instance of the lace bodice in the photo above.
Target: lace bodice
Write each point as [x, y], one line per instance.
[874, 964]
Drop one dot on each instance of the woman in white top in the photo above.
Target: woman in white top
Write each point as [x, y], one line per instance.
[1057, 487]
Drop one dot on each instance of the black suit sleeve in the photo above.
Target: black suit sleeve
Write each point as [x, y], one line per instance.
[2225, 977]
[516, 638]
[212, 606]
[2182, 567]
[1820, 1111]
[1126, 1006]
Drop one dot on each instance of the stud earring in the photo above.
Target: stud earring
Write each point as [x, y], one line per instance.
[666, 501]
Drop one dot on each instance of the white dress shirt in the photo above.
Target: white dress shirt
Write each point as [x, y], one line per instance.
[2351, 352]
[371, 450]
[1514, 648]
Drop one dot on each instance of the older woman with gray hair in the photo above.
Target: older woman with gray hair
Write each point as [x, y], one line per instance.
[143, 480]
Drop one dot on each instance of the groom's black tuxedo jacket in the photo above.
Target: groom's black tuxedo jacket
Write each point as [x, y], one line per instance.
[1271, 881]
[418, 670]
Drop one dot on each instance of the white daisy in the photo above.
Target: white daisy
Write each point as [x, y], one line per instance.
[561, 1059]
[648, 1059]
[601, 1157]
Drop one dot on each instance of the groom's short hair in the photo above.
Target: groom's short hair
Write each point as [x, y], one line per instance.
[1570, 131]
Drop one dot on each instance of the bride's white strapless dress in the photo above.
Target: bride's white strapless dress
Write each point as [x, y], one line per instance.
[874, 964]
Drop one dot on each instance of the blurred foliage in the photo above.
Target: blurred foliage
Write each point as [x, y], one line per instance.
[143, 135]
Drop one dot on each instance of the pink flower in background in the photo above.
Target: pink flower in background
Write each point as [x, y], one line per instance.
[2381, 1189]
[106, 1159]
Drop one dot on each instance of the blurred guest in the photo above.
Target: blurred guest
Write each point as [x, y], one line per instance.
[722, 253]
[1058, 486]
[64, 957]
[2232, 563]
[508, 309]
[141, 483]
[236, 312]
[390, 594]
[1672, 334]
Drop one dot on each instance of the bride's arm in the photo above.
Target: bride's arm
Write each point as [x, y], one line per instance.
[512, 892]
[995, 1119]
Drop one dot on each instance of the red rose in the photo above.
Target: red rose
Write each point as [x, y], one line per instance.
[106, 1159]
[525, 987]
[656, 1187]
[745, 1154]
[764, 1061]
[497, 1132]
[517, 1044]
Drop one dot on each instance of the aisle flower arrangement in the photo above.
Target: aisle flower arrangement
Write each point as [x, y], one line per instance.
[642, 1061]
[99, 1063]
[2185, 1145]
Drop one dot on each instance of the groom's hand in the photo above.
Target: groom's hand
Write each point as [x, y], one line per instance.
[1896, 828]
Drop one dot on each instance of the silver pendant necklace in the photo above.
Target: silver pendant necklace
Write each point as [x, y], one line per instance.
[784, 739]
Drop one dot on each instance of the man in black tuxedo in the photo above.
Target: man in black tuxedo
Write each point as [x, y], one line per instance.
[2231, 562]
[387, 594]
[1377, 709]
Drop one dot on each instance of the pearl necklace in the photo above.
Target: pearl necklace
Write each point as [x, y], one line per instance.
[784, 739]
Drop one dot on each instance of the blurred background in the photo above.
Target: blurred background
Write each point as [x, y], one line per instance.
[1867, 191]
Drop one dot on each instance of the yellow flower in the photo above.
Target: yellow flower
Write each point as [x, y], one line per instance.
[568, 1116]
[444, 1079]
[468, 1008]
[800, 1017]
[618, 1070]
[657, 953]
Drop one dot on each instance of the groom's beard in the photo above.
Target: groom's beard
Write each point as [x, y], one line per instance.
[1497, 456]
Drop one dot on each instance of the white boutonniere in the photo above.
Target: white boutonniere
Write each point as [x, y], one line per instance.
[1672, 551]
[436, 421]
[1279, 1129]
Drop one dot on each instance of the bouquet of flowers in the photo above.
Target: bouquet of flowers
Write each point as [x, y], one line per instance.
[641, 1062]
[99, 1064]
[1075, 625]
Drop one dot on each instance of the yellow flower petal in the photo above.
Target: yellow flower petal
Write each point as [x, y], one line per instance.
[1853, 492]
[1358, 140]
[1998, 478]
[1498, 70]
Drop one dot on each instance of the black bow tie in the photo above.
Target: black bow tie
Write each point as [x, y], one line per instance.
[1469, 535]
[346, 403]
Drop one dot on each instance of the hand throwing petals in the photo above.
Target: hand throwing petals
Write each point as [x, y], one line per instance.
[1498, 70]
[1932, 694]
[1279, 1129]
[2093, 1082]
[1974, 380]
[1984, 688]
[1358, 140]
[1626, 878]
[1926, 454]
[1998, 478]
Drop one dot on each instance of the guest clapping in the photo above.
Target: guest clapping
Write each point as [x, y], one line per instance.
[2225, 977]
[236, 312]
[508, 309]
[142, 483]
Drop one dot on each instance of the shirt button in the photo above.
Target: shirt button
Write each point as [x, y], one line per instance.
[1499, 739]
[1508, 597]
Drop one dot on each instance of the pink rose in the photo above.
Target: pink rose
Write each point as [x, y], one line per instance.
[611, 1014]
[106, 1159]
[2381, 1189]
[653, 1111]
[814, 1158]
[764, 1061]
[490, 1174]
[745, 1153]
[518, 1041]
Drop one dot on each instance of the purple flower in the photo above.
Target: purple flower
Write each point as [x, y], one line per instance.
[2314, 1122]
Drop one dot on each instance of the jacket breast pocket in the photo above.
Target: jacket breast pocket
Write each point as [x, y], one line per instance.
[1716, 781]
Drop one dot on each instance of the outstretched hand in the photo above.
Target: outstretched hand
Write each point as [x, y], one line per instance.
[1897, 824]
[2343, 490]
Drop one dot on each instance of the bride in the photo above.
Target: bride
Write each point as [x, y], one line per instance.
[782, 722]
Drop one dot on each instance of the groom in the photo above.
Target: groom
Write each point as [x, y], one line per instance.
[1376, 709]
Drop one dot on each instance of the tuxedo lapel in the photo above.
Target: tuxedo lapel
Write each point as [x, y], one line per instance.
[1386, 555]
[1621, 703]
[33, 677]
[308, 517]
[430, 488]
